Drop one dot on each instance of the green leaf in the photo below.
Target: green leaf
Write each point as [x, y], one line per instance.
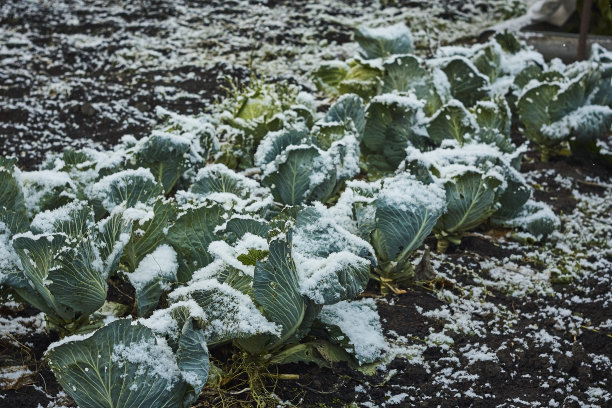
[513, 198]
[348, 109]
[333, 265]
[406, 212]
[346, 322]
[536, 218]
[508, 42]
[230, 313]
[466, 83]
[571, 97]
[471, 199]
[585, 124]
[37, 255]
[274, 143]
[192, 357]
[217, 178]
[488, 61]
[493, 115]
[531, 71]
[12, 204]
[77, 279]
[393, 124]
[362, 78]
[122, 365]
[405, 73]
[533, 108]
[494, 120]
[328, 76]
[320, 352]
[153, 274]
[74, 219]
[238, 226]
[128, 188]
[190, 236]
[384, 41]
[236, 278]
[114, 234]
[253, 256]
[292, 183]
[47, 190]
[453, 121]
[276, 289]
[163, 154]
[148, 235]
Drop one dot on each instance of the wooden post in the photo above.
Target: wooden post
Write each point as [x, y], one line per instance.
[585, 22]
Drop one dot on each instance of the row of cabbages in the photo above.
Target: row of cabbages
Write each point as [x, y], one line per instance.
[260, 225]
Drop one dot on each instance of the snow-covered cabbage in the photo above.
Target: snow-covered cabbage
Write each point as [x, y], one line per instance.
[125, 365]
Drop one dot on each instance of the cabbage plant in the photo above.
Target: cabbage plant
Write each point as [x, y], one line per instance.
[302, 165]
[62, 261]
[479, 181]
[395, 215]
[127, 364]
[558, 111]
[266, 289]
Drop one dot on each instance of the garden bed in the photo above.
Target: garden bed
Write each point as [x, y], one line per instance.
[502, 323]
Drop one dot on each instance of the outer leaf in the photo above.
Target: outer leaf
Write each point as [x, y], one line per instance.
[37, 255]
[274, 143]
[153, 274]
[363, 79]
[163, 154]
[292, 183]
[347, 321]
[384, 41]
[531, 71]
[453, 121]
[328, 75]
[191, 235]
[127, 187]
[239, 226]
[585, 124]
[47, 190]
[470, 199]
[333, 264]
[405, 73]
[508, 42]
[192, 357]
[392, 124]
[571, 97]
[119, 366]
[77, 280]
[231, 314]
[349, 108]
[217, 178]
[488, 61]
[114, 234]
[276, 289]
[320, 352]
[74, 219]
[12, 204]
[150, 234]
[533, 109]
[514, 196]
[467, 84]
[536, 218]
[406, 212]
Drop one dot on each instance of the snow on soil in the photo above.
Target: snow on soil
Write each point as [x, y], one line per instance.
[77, 71]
